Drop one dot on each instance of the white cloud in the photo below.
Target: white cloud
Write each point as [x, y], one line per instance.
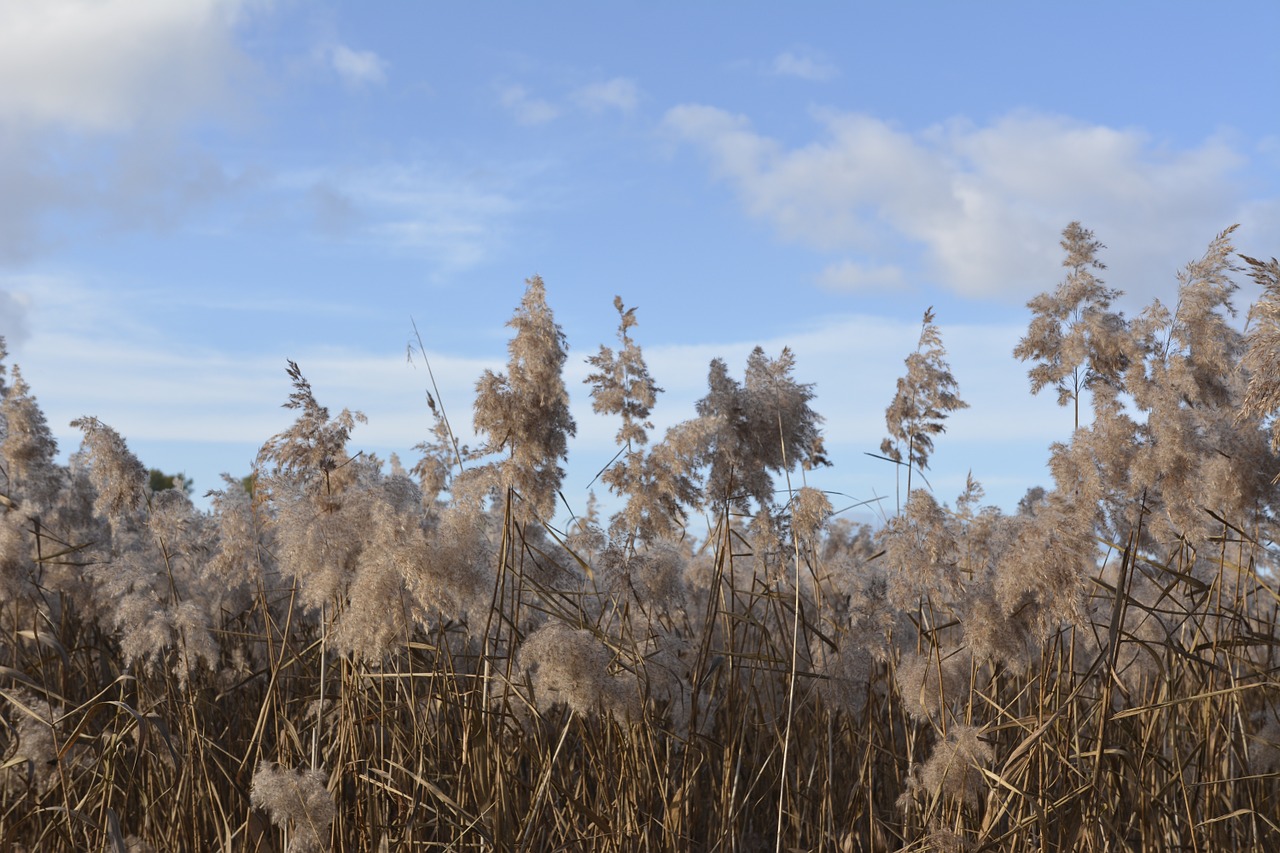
[851, 277]
[105, 65]
[525, 108]
[805, 64]
[987, 204]
[358, 67]
[92, 95]
[617, 94]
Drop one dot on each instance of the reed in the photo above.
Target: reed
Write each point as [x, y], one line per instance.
[357, 657]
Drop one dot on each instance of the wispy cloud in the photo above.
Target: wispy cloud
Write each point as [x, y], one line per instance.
[526, 108]
[84, 339]
[357, 68]
[986, 203]
[455, 218]
[56, 188]
[334, 211]
[13, 317]
[617, 94]
[851, 277]
[805, 64]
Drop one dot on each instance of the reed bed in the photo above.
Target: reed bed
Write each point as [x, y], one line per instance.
[343, 654]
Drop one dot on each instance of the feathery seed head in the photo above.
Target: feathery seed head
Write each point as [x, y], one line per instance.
[297, 800]
[118, 478]
[571, 665]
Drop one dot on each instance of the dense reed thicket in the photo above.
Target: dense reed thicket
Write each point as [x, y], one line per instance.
[350, 655]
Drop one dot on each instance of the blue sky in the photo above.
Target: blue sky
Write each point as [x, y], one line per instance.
[193, 192]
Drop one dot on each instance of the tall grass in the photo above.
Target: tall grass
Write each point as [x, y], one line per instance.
[352, 657]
